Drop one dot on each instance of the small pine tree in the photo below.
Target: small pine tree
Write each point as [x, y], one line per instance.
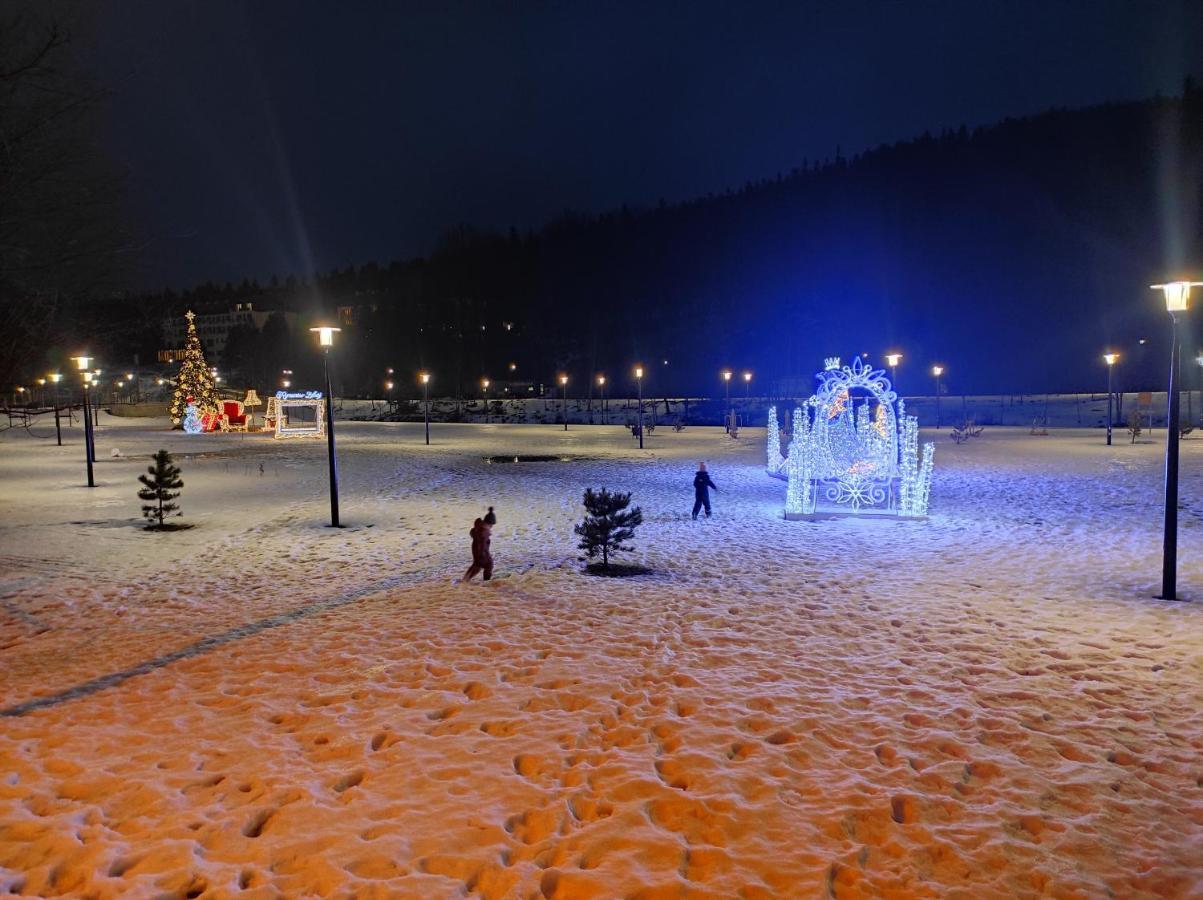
[161, 485]
[606, 526]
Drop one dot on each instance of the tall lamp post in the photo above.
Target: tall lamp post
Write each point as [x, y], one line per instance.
[564, 398]
[937, 371]
[639, 382]
[1199, 360]
[425, 376]
[325, 339]
[1177, 301]
[55, 378]
[601, 383]
[1109, 359]
[892, 360]
[727, 409]
[484, 392]
[82, 363]
[747, 385]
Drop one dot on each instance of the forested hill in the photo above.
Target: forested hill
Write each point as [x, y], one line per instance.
[1013, 254]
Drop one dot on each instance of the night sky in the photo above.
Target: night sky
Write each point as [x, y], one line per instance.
[277, 137]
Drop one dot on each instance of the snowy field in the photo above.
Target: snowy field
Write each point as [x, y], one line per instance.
[987, 704]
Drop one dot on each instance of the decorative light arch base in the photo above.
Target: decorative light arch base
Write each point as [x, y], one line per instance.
[852, 450]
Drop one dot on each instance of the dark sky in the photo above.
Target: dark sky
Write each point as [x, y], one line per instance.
[283, 136]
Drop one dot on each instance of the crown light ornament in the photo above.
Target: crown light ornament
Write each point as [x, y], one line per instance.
[853, 449]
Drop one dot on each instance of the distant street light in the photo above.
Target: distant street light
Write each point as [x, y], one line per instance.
[564, 398]
[937, 371]
[82, 363]
[325, 340]
[1177, 302]
[425, 376]
[484, 390]
[892, 360]
[726, 373]
[55, 378]
[1109, 359]
[601, 383]
[747, 384]
[639, 381]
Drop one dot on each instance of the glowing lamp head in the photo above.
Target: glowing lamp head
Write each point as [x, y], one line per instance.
[513, 367]
[286, 383]
[937, 370]
[81, 362]
[87, 378]
[1177, 294]
[41, 381]
[129, 376]
[747, 376]
[20, 390]
[563, 379]
[726, 374]
[639, 371]
[1110, 358]
[55, 377]
[425, 376]
[601, 379]
[388, 385]
[484, 383]
[389, 372]
[892, 359]
[325, 335]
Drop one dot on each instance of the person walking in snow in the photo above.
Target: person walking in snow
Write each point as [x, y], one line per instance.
[482, 559]
[490, 518]
[701, 490]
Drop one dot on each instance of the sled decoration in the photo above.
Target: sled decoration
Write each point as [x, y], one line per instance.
[852, 450]
[297, 414]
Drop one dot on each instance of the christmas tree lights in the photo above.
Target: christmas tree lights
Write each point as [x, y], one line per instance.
[775, 460]
[194, 383]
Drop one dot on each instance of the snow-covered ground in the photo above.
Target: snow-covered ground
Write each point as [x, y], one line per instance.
[987, 704]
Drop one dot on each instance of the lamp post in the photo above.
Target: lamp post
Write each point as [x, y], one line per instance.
[55, 378]
[1199, 360]
[601, 383]
[425, 376]
[82, 363]
[564, 398]
[892, 360]
[639, 382]
[937, 371]
[484, 392]
[325, 340]
[1109, 359]
[747, 385]
[727, 409]
[1177, 301]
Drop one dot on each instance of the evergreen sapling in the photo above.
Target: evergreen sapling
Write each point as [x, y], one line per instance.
[161, 485]
[607, 524]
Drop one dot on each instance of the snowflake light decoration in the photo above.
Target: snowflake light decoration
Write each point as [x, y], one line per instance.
[853, 445]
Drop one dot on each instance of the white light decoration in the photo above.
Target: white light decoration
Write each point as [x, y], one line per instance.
[284, 412]
[854, 449]
[775, 460]
[192, 421]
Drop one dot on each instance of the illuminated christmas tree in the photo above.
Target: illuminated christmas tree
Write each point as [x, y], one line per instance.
[194, 383]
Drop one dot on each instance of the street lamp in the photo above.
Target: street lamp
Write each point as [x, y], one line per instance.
[325, 340]
[639, 381]
[747, 384]
[601, 383]
[425, 376]
[564, 398]
[892, 360]
[937, 371]
[484, 390]
[1177, 300]
[726, 374]
[82, 363]
[1109, 359]
[55, 378]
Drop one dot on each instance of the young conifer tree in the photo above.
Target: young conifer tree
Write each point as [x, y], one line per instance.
[607, 525]
[161, 485]
[194, 379]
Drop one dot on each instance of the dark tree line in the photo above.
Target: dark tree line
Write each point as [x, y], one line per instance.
[1013, 254]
